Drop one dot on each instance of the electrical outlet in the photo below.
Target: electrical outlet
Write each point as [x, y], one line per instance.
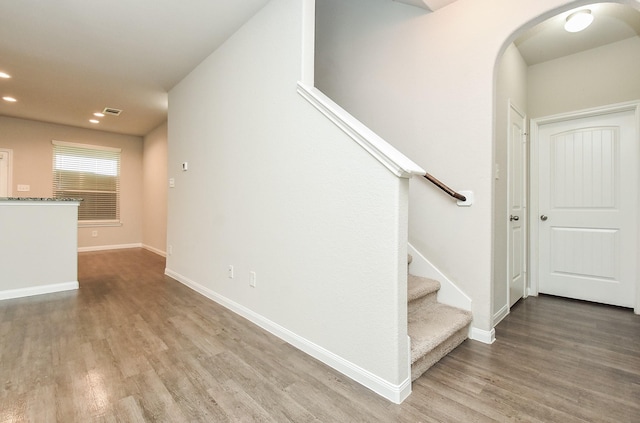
[252, 279]
[172, 183]
[170, 249]
[24, 188]
[94, 234]
[230, 271]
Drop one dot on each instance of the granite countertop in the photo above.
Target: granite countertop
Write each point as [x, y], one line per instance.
[38, 199]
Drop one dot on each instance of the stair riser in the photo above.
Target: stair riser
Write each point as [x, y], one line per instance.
[422, 302]
[425, 362]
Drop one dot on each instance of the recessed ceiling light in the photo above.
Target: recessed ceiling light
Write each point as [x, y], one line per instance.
[578, 21]
[98, 114]
[4, 75]
[94, 121]
[9, 99]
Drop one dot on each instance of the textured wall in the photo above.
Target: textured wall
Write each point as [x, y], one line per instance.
[154, 202]
[597, 77]
[275, 188]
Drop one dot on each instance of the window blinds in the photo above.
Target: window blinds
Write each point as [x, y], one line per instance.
[91, 173]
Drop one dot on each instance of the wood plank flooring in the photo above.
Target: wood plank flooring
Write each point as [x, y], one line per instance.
[133, 345]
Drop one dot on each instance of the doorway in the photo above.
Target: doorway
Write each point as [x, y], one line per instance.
[517, 200]
[5, 173]
[584, 218]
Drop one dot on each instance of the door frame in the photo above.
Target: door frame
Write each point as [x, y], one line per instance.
[534, 222]
[525, 207]
[9, 170]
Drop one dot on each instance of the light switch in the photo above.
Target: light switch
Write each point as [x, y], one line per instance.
[185, 166]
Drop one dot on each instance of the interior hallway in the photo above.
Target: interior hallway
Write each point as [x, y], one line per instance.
[134, 345]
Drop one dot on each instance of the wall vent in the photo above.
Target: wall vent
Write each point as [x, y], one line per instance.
[111, 111]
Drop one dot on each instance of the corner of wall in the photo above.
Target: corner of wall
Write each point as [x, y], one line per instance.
[481, 335]
[449, 293]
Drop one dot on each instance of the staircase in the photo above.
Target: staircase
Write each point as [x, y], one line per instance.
[435, 329]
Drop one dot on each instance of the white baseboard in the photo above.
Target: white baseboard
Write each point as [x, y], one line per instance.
[501, 314]
[394, 393]
[154, 250]
[481, 335]
[38, 290]
[109, 247]
[449, 293]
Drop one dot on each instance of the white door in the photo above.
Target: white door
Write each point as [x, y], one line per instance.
[516, 267]
[4, 174]
[588, 204]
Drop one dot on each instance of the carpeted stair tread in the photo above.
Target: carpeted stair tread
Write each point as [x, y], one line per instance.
[432, 326]
[435, 329]
[418, 287]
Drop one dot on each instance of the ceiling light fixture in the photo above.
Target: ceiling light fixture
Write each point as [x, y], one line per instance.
[4, 75]
[9, 99]
[578, 21]
[98, 114]
[94, 121]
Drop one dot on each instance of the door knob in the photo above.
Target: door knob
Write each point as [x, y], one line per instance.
[516, 218]
[543, 217]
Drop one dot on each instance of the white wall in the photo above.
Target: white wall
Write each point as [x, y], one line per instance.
[154, 181]
[426, 83]
[32, 160]
[597, 77]
[275, 188]
[511, 86]
[39, 248]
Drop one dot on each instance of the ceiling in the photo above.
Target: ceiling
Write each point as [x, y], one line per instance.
[430, 5]
[71, 58]
[547, 41]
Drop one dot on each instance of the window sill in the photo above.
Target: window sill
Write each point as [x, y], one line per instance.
[98, 223]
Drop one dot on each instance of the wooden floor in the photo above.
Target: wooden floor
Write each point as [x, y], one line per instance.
[133, 345]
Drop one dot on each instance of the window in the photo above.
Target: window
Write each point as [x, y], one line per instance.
[91, 173]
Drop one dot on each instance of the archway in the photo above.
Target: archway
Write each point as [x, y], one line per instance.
[511, 70]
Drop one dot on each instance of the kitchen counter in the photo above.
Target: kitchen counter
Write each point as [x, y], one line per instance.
[38, 246]
[38, 199]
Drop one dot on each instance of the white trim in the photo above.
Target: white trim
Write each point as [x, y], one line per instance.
[481, 335]
[394, 393]
[154, 250]
[87, 146]
[99, 223]
[384, 152]
[109, 247]
[308, 41]
[501, 314]
[534, 178]
[38, 290]
[449, 293]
